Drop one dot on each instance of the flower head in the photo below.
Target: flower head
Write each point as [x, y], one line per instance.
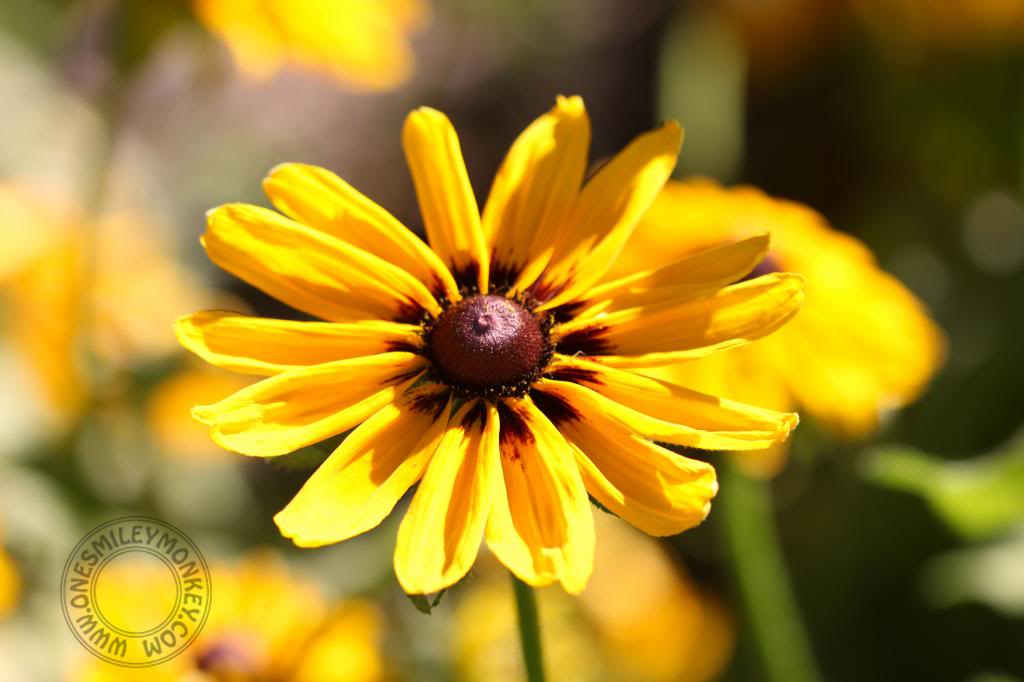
[362, 43]
[488, 367]
[862, 344]
[308, 639]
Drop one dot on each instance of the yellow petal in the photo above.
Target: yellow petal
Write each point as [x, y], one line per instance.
[749, 374]
[656, 490]
[319, 198]
[446, 198]
[534, 192]
[665, 412]
[304, 406]
[695, 275]
[310, 270]
[440, 535]
[861, 344]
[360, 483]
[689, 217]
[256, 345]
[541, 525]
[668, 332]
[607, 211]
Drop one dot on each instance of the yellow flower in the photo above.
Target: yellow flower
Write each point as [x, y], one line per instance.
[10, 583]
[362, 43]
[862, 344]
[264, 624]
[68, 282]
[488, 368]
[168, 405]
[657, 625]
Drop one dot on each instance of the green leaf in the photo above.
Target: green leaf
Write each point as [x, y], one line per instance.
[978, 498]
[988, 573]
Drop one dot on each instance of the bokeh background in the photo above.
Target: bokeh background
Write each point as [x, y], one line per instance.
[123, 121]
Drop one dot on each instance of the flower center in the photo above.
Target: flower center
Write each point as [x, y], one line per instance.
[489, 342]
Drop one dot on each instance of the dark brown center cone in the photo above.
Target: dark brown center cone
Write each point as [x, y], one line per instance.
[487, 341]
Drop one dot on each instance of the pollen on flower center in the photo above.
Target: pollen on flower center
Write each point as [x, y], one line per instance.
[488, 342]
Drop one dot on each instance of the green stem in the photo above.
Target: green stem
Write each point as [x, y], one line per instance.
[748, 521]
[529, 630]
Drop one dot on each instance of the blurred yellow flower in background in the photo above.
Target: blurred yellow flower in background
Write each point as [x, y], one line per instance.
[654, 623]
[10, 581]
[264, 624]
[168, 406]
[361, 43]
[486, 367]
[641, 619]
[85, 296]
[861, 345]
[40, 290]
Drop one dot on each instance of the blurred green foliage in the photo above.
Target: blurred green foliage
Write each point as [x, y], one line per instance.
[978, 498]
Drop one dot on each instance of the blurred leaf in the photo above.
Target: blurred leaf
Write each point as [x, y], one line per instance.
[989, 575]
[977, 498]
[702, 83]
[994, 677]
[137, 28]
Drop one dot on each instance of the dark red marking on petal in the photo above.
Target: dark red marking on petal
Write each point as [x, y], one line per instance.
[467, 277]
[577, 375]
[438, 289]
[514, 428]
[514, 434]
[430, 403]
[543, 289]
[502, 275]
[555, 407]
[410, 312]
[477, 416]
[403, 347]
[586, 341]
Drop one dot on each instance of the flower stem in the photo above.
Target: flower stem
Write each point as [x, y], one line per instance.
[529, 630]
[747, 514]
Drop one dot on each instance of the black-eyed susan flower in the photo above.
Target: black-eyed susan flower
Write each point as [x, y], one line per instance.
[488, 367]
[361, 43]
[861, 345]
